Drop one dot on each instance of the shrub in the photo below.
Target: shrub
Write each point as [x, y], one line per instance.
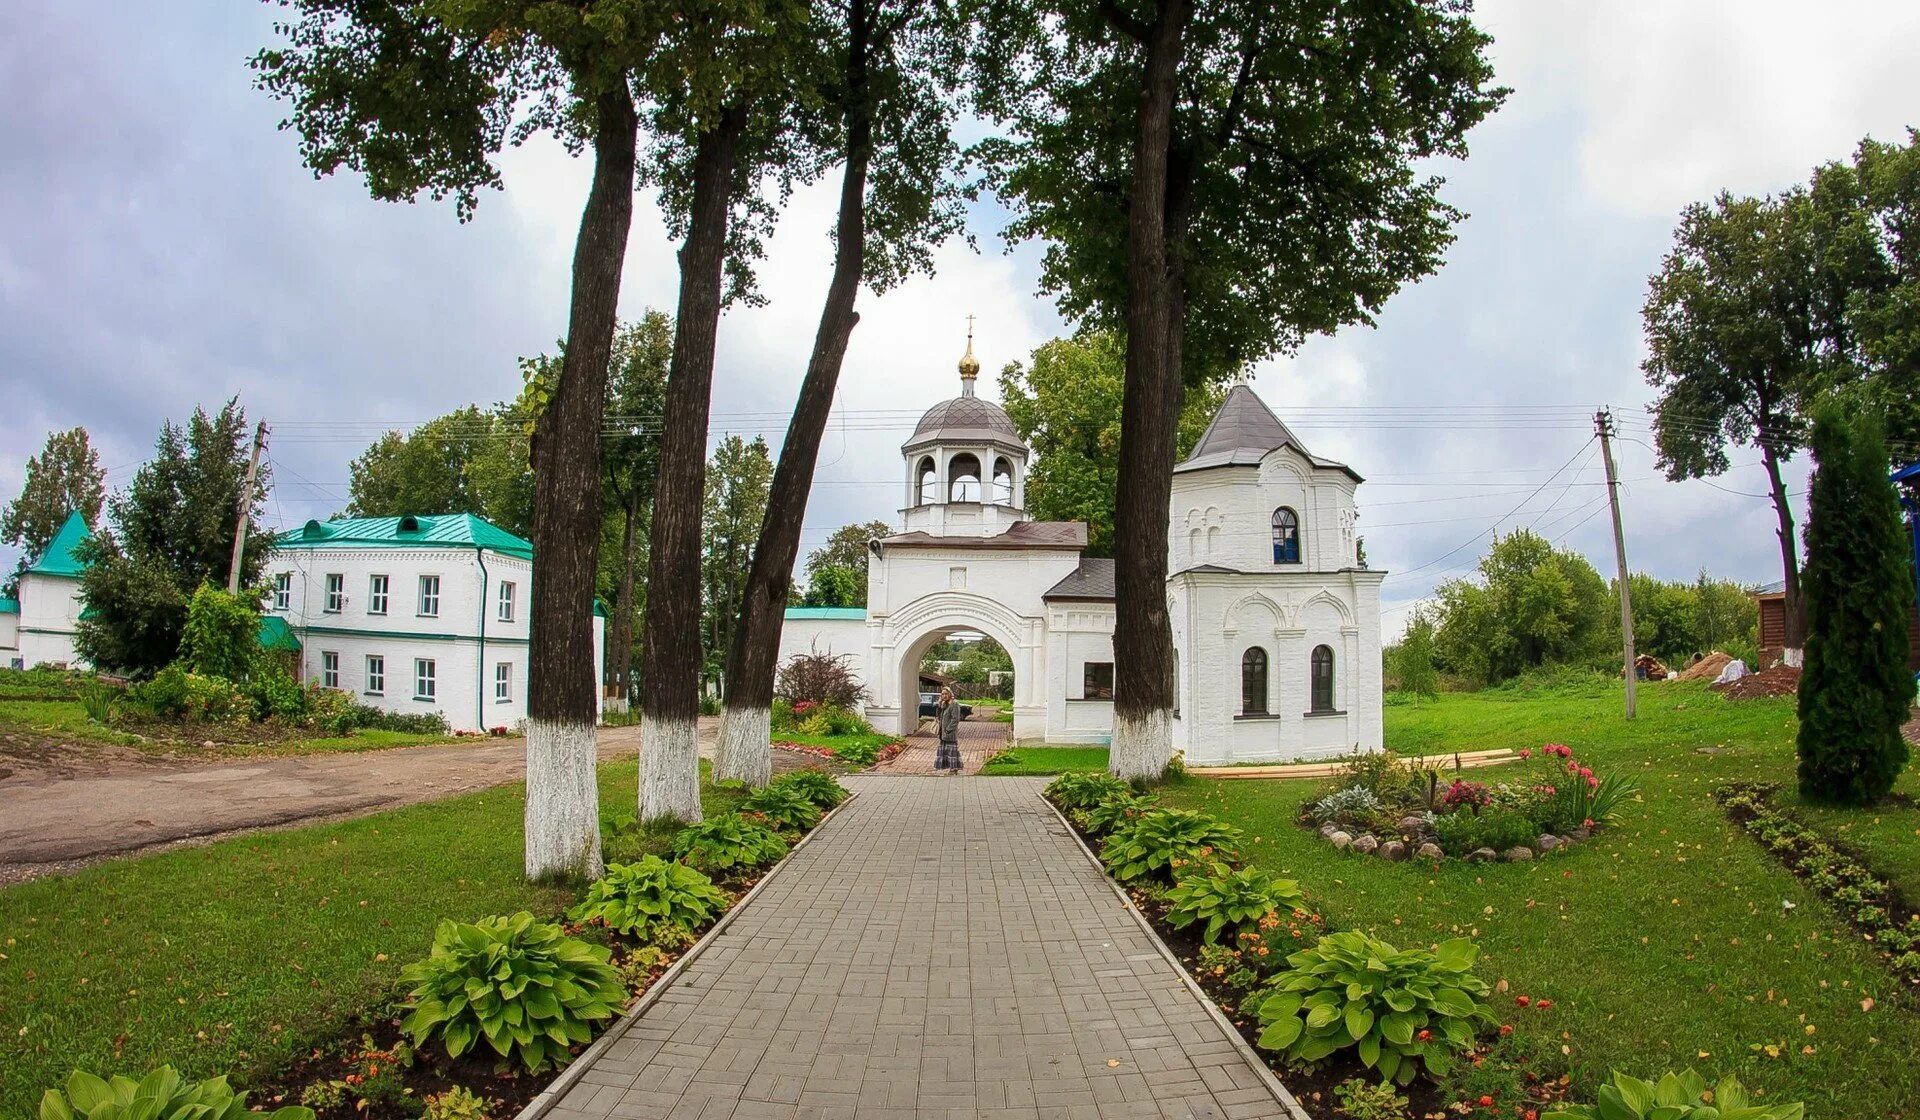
[216, 700]
[817, 786]
[1682, 1096]
[1083, 791]
[1115, 810]
[1383, 773]
[832, 720]
[709, 705]
[526, 989]
[1460, 833]
[1362, 1100]
[274, 692]
[780, 715]
[160, 1095]
[457, 1103]
[1355, 803]
[163, 695]
[823, 678]
[1162, 842]
[97, 698]
[221, 637]
[1228, 900]
[636, 898]
[1400, 1008]
[728, 842]
[784, 807]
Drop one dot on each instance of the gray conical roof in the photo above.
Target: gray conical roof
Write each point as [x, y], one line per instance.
[965, 420]
[1244, 432]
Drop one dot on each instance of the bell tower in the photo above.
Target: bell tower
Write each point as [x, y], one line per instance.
[966, 464]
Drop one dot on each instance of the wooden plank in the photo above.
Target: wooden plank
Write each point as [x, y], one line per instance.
[1467, 760]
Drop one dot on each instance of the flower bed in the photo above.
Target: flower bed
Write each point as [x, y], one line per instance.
[1387, 807]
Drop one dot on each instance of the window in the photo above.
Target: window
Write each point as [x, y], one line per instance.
[376, 674]
[1097, 680]
[329, 669]
[336, 593]
[283, 591]
[423, 682]
[1003, 481]
[506, 601]
[1322, 679]
[963, 479]
[376, 594]
[430, 596]
[926, 486]
[1253, 682]
[502, 682]
[1286, 536]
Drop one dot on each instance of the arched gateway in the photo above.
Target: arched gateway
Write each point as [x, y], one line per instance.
[1276, 625]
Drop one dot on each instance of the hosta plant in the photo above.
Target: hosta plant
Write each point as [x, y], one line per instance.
[523, 987]
[1676, 1096]
[641, 897]
[1401, 1009]
[1225, 900]
[784, 808]
[1083, 791]
[728, 842]
[818, 786]
[1164, 843]
[160, 1095]
[1115, 810]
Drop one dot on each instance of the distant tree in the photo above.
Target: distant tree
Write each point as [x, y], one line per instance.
[846, 547]
[1066, 405]
[978, 659]
[1532, 605]
[1725, 614]
[471, 460]
[737, 482]
[64, 477]
[629, 462]
[1412, 658]
[1855, 691]
[831, 585]
[172, 532]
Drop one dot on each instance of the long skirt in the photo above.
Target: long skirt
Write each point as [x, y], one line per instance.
[948, 756]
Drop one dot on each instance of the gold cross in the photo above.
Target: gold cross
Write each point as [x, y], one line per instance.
[969, 328]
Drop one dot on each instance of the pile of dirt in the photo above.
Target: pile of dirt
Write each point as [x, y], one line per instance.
[1706, 669]
[1651, 668]
[1781, 680]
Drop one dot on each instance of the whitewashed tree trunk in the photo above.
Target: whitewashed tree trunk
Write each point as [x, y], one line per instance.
[745, 752]
[669, 769]
[1141, 745]
[563, 817]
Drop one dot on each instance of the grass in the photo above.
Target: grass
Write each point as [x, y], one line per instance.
[1046, 760]
[239, 955]
[67, 720]
[1664, 942]
[1886, 837]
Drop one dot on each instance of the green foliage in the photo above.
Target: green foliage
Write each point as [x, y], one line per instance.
[830, 585]
[1463, 831]
[728, 842]
[1683, 1096]
[97, 698]
[174, 693]
[832, 719]
[784, 807]
[274, 692]
[738, 480]
[1163, 843]
[160, 1095]
[43, 683]
[1532, 605]
[1229, 901]
[1855, 689]
[1359, 1099]
[221, 637]
[1410, 661]
[844, 552]
[471, 460]
[522, 986]
[1083, 791]
[456, 1103]
[66, 476]
[977, 659]
[1401, 1009]
[1114, 810]
[1352, 805]
[817, 786]
[640, 897]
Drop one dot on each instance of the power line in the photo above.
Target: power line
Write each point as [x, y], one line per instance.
[1496, 524]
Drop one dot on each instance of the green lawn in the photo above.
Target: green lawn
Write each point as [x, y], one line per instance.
[1046, 760]
[238, 955]
[67, 720]
[1664, 942]
[1886, 838]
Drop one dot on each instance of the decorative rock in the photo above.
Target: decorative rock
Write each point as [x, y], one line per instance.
[1548, 842]
[1431, 851]
[1328, 829]
[1366, 844]
[1413, 824]
[1520, 854]
[1482, 855]
[1394, 850]
[1340, 839]
[1579, 833]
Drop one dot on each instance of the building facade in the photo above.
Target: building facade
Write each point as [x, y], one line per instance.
[1276, 623]
[39, 625]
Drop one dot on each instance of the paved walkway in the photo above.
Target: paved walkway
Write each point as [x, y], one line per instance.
[941, 948]
[979, 739]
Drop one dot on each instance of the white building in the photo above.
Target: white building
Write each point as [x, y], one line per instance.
[1276, 626]
[38, 627]
[413, 614]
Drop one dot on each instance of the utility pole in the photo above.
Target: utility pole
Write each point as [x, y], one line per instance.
[1603, 425]
[243, 505]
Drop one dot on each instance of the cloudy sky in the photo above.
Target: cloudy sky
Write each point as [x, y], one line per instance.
[161, 247]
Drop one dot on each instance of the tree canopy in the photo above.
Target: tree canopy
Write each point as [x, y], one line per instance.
[472, 460]
[63, 478]
[1532, 605]
[736, 502]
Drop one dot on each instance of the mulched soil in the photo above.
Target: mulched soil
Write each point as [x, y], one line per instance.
[1781, 680]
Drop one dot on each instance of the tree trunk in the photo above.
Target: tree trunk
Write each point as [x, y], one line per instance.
[670, 679]
[1149, 419]
[744, 751]
[622, 659]
[1794, 611]
[563, 803]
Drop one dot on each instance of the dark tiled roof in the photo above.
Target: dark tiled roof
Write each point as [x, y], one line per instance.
[1243, 432]
[1092, 580]
[963, 419]
[1024, 534]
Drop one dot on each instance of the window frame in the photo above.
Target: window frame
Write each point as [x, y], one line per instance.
[1254, 659]
[426, 671]
[1286, 549]
[283, 591]
[379, 591]
[1089, 689]
[329, 668]
[1317, 679]
[503, 682]
[504, 613]
[420, 597]
[335, 599]
[376, 667]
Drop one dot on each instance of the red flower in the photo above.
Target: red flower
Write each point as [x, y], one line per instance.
[1523, 1000]
[1506, 1029]
[1544, 1004]
[1425, 1035]
[1486, 1101]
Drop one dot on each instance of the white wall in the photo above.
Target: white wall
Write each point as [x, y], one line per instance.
[49, 609]
[1076, 634]
[1224, 516]
[9, 639]
[838, 636]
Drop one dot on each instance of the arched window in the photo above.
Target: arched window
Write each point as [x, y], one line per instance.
[1253, 682]
[1002, 481]
[963, 479]
[1286, 536]
[1322, 669]
[925, 484]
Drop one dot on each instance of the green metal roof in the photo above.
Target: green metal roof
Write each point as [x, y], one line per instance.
[9, 606]
[58, 559]
[444, 530]
[854, 613]
[276, 634]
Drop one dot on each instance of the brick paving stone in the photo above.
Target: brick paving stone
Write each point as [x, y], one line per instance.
[940, 949]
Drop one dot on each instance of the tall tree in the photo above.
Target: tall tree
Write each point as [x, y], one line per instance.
[471, 460]
[846, 547]
[1066, 406]
[1532, 605]
[636, 398]
[1856, 690]
[172, 532]
[738, 480]
[65, 477]
[887, 67]
[1219, 180]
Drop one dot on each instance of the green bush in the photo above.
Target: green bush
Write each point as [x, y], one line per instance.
[728, 842]
[1400, 1008]
[1115, 810]
[785, 808]
[160, 1095]
[833, 720]
[163, 695]
[1361, 1100]
[525, 988]
[42, 683]
[174, 693]
[1083, 791]
[1164, 842]
[274, 692]
[817, 786]
[1229, 901]
[1682, 1096]
[96, 699]
[780, 716]
[637, 898]
[858, 752]
[222, 635]
[457, 1103]
[1462, 831]
[709, 705]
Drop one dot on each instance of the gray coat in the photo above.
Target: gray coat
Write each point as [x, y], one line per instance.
[948, 717]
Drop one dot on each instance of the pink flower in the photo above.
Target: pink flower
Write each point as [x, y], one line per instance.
[1586, 771]
[1573, 767]
[1526, 752]
[1592, 782]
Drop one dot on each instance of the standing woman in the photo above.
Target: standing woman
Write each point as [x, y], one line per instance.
[947, 715]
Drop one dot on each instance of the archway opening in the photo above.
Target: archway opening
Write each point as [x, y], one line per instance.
[926, 482]
[1003, 481]
[963, 478]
